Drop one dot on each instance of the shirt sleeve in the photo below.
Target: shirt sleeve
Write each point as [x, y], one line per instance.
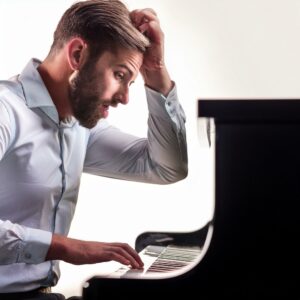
[5, 129]
[19, 244]
[160, 158]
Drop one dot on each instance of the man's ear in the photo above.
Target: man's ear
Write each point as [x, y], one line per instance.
[76, 52]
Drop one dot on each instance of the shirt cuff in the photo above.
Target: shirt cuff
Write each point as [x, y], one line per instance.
[166, 107]
[157, 101]
[34, 246]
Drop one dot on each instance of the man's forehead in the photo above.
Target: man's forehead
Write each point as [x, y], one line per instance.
[132, 57]
[129, 59]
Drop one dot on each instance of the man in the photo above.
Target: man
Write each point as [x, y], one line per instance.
[53, 127]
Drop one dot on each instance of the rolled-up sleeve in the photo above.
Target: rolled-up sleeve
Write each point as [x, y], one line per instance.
[19, 244]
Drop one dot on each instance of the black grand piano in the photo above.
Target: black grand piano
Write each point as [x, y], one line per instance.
[250, 247]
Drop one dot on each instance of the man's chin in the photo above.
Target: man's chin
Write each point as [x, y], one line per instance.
[89, 124]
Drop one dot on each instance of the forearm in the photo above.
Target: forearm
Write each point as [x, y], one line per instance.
[167, 135]
[158, 80]
[160, 159]
[166, 150]
[69, 250]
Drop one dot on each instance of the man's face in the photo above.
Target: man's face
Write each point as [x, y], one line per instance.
[96, 86]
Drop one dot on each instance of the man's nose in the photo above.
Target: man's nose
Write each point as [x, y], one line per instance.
[123, 96]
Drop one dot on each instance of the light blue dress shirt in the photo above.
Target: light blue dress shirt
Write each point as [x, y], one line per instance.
[41, 162]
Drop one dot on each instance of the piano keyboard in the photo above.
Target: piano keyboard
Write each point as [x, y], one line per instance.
[160, 260]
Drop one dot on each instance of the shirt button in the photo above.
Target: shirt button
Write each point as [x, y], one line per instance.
[27, 255]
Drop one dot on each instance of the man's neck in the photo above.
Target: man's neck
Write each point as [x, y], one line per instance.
[55, 76]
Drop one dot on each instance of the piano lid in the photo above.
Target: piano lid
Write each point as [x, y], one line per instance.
[258, 110]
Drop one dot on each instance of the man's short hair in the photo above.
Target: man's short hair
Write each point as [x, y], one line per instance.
[103, 24]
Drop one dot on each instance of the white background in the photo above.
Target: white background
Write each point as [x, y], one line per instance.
[214, 49]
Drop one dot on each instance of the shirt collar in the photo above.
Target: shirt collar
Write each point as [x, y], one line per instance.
[36, 93]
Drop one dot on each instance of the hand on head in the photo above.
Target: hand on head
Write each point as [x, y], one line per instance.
[147, 22]
[153, 70]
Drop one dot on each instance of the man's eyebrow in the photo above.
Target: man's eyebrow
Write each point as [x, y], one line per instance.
[127, 68]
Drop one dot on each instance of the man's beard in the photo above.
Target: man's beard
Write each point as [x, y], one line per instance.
[84, 97]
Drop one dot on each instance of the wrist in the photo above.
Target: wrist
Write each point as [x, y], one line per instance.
[57, 249]
[158, 80]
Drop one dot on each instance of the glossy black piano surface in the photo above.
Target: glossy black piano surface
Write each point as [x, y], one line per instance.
[254, 252]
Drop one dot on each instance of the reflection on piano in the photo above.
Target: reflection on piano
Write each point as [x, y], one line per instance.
[250, 249]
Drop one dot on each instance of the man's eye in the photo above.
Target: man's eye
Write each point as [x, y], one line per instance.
[119, 75]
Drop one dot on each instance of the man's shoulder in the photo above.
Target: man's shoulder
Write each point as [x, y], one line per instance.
[10, 89]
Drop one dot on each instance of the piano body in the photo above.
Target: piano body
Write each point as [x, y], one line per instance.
[250, 248]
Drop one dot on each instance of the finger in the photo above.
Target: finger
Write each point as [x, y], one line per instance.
[141, 16]
[147, 11]
[135, 255]
[152, 11]
[143, 28]
[123, 257]
[130, 254]
[153, 31]
[112, 255]
[117, 253]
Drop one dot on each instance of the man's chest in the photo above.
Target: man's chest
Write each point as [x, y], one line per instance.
[42, 152]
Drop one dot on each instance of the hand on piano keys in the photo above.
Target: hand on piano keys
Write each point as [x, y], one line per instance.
[160, 261]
